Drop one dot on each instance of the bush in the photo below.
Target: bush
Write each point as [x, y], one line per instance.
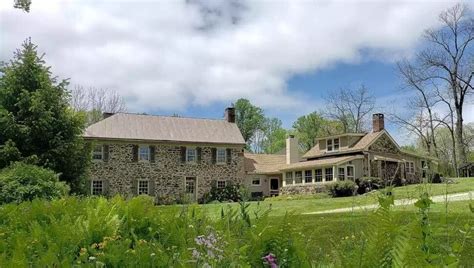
[367, 184]
[23, 182]
[229, 193]
[342, 188]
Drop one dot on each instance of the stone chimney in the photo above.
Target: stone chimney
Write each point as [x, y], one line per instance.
[292, 152]
[106, 115]
[378, 123]
[230, 114]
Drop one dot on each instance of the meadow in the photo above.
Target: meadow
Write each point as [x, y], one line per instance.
[100, 232]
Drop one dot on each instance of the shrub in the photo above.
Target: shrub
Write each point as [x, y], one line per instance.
[23, 182]
[367, 184]
[231, 192]
[342, 188]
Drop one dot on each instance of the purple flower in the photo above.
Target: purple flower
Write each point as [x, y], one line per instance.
[271, 260]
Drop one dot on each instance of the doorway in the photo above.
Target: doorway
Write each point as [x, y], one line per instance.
[191, 188]
[274, 186]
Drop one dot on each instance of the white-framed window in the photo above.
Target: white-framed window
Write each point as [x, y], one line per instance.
[410, 167]
[143, 153]
[221, 155]
[289, 177]
[191, 154]
[332, 144]
[97, 187]
[221, 184]
[329, 174]
[298, 177]
[350, 171]
[256, 182]
[143, 187]
[308, 176]
[341, 173]
[318, 175]
[98, 152]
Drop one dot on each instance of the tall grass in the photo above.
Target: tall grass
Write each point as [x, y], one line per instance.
[95, 232]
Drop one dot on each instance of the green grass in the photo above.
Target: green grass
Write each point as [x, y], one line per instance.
[320, 202]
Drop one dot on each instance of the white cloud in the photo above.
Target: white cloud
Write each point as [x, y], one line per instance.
[168, 55]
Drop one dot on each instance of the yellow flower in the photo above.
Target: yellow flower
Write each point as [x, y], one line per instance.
[83, 251]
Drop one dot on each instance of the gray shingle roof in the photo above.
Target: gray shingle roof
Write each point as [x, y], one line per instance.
[124, 126]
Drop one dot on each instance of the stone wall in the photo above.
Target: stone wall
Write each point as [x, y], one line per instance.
[302, 189]
[167, 174]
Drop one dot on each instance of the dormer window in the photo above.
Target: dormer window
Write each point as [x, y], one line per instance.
[332, 144]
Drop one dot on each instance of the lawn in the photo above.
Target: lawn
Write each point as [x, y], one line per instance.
[320, 202]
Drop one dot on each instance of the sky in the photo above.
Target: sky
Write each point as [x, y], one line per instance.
[194, 58]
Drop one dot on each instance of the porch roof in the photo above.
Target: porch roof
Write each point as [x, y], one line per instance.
[321, 162]
[263, 163]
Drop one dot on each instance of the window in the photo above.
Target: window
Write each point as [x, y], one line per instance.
[256, 182]
[97, 187]
[98, 152]
[289, 177]
[341, 174]
[144, 153]
[329, 145]
[220, 155]
[298, 177]
[410, 167]
[350, 172]
[329, 174]
[143, 187]
[308, 176]
[318, 175]
[221, 184]
[191, 154]
[332, 144]
[190, 185]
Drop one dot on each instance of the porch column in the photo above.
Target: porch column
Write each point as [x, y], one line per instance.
[334, 177]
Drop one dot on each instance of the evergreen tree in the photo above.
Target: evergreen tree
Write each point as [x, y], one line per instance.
[36, 123]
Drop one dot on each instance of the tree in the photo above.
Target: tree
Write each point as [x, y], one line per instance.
[22, 4]
[249, 119]
[96, 101]
[275, 136]
[447, 63]
[36, 123]
[351, 107]
[309, 127]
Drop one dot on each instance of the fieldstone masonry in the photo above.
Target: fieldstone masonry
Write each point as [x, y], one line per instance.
[167, 174]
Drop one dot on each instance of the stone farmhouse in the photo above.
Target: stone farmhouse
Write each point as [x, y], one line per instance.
[168, 157]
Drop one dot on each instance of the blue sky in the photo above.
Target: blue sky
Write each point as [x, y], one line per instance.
[196, 57]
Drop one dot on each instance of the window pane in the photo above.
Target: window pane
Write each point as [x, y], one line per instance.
[144, 153]
[308, 176]
[350, 172]
[97, 152]
[318, 175]
[341, 175]
[298, 177]
[190, 154]
[190, 185]
[143, 187]
[289, 178]
[336, 144]
[97, 187]
[221, 184]
[221, 155]
[256, 182]
[328, 173]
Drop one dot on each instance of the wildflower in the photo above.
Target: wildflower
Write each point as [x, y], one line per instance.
[152, 255]
[271, 260]
[92, 258]
[82, 252]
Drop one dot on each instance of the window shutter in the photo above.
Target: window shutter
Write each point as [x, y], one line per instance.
[134, 187]
[105, 147]
[214, 155]
[152, 154]
[135, 153]
[106, 188]
[199, 152]
[229, 156]
[183, 154]
[151, 187]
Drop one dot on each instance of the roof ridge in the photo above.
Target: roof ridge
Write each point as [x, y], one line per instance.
[171, 116]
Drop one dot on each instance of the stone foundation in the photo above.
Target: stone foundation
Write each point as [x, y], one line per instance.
[302, 189]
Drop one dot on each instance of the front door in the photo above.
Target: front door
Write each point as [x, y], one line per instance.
[191, 188]
[274, 186]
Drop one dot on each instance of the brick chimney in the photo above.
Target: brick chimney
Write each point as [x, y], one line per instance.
[292, 152]
[230, 114]
[378, 123]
